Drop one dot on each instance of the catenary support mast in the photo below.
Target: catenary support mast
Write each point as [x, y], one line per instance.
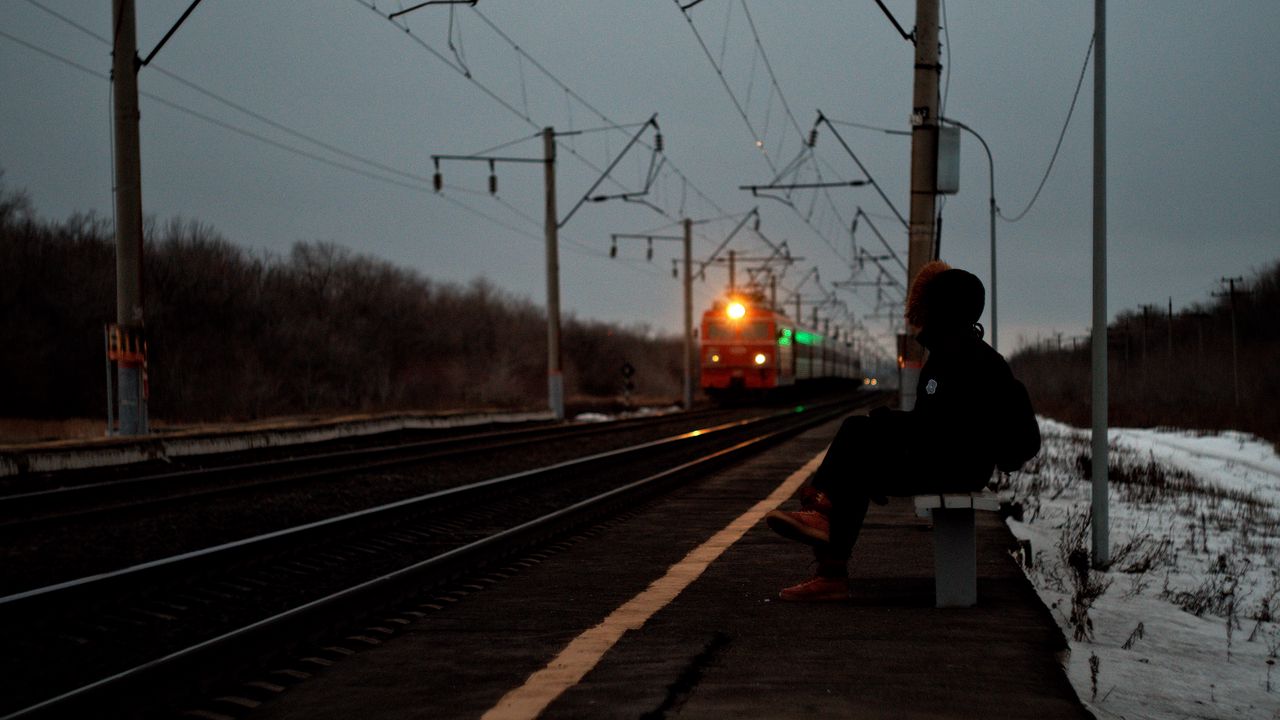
[132, 409]
[555, 375]
[924, 175]
[688, 314]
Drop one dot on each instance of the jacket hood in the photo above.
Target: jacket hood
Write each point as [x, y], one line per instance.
[943, 297]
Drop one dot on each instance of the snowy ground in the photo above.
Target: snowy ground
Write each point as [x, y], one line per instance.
[1184, 624]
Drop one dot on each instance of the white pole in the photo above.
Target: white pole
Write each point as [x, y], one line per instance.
[1101, 548]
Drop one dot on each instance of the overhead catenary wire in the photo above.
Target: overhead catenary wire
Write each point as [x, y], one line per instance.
[1058, 146]
[570, 92]
[297, 151]
[759, 137]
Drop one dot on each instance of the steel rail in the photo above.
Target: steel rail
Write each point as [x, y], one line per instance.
[19, 510]
[364, 597]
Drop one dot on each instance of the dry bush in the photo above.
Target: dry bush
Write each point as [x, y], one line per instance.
[1186, 383]
[237, 336]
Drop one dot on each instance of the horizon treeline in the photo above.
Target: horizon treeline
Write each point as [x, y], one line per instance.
[1174, 371]
[235, 335]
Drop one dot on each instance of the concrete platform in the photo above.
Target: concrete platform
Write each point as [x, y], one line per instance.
[714, 643]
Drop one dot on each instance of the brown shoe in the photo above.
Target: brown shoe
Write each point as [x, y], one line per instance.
[807, 526]
[817, 589]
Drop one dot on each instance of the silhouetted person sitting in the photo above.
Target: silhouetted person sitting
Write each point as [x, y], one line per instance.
[970, 417]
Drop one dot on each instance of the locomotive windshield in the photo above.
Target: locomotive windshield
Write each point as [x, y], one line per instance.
[758, 330]
[755, 331]
[719, 331]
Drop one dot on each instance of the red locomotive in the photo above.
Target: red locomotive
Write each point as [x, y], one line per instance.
[748, 346]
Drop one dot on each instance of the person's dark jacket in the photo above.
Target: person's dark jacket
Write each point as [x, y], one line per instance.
[971, 415]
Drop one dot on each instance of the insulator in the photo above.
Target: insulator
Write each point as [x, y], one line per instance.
[813, 137]
[674, 272]
[493, 184]
[437, 182]
[613, 250]
[657, 142]
[648, 254]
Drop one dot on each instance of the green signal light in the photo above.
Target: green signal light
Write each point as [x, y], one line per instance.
[807, 338]
[799, 408]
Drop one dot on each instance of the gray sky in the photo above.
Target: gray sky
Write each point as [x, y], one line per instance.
[1192, 130]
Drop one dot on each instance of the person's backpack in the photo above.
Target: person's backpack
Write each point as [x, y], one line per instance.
[1017, 432]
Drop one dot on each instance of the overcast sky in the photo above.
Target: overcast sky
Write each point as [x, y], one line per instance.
[1193, 138]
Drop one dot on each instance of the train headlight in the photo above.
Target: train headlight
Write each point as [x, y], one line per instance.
[736, 310]
[715, 358]
[760, 358]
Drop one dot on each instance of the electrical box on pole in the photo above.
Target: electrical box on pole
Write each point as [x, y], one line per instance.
[948, 160]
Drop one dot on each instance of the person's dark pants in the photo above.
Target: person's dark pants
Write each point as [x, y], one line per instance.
[871, 456]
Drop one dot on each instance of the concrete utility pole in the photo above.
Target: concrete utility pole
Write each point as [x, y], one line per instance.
[555, 373]
[924, 176]
[132, 409]
[1100, 503]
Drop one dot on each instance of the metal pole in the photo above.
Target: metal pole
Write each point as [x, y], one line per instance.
[555, 376]
[1235, 358]
[1101, 544]
[111, 400]
[688, 314]
[129, 313]
[991, 166]
[924, 175]
[732, 280]
[991, 179]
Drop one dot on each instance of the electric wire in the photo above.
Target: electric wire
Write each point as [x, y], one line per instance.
[581, 248]
[582, 101]
[864, 126]
[524, 116]
[759, 137]
[1058, 146]
[285, 147]
[244, 110]
[946, 44]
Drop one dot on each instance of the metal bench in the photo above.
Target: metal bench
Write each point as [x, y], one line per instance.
[955, 552]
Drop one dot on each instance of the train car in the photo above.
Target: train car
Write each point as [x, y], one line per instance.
[747, 346]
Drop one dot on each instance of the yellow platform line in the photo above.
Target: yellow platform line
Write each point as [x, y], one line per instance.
[585, 651]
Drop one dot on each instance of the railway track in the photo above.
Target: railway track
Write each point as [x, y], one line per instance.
[110, 640]
[82, 495]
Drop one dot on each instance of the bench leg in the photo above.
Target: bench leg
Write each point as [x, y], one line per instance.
[955, 558]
